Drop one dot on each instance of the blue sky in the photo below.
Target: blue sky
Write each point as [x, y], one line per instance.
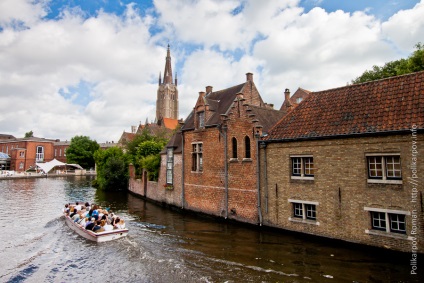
[80, 67]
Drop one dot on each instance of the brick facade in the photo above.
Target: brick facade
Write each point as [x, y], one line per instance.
[341, 189]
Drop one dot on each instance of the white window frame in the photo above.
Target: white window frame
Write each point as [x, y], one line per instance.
[387, 230]
[302, 168]
[39, 156]
[197, 156]
[169, 166]
[21, 165]
[304, 209]
[384, 179]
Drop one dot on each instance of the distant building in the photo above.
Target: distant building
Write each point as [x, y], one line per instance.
[167, 94]
[167, 110]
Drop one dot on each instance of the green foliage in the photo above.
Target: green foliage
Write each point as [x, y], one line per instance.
[29, 134]
[81, 151]
[112, 169]
[152, 164]
[143, 146]
[414, 63]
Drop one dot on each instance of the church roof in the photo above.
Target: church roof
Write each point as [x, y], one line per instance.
[170, 123]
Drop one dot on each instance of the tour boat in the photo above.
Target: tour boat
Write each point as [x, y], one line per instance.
[96, 237]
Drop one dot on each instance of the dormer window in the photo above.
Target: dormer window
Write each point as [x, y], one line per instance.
[201, 119]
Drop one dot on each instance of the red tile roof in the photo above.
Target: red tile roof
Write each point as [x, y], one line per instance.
[170, 123]
[382, 106]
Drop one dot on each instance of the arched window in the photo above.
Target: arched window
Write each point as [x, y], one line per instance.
[234, 143]
[247, 147]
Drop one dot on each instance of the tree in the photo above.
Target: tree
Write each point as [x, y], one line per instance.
[29, 134]
[148, 157]
[143, 146]
[414, 63]
[112, 169]
[81, 151]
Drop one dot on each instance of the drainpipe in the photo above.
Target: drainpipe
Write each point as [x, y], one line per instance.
[258, 178]
[182, 171]
[226, 169]
[265, 177]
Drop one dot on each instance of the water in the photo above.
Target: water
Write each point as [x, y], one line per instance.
[165, 245]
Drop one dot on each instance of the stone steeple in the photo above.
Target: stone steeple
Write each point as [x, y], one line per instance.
[167, 94]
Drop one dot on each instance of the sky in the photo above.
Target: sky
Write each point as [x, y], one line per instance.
[91, 67]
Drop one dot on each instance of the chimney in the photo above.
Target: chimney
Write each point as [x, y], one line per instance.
[208, 89]
[287, 94]
[249, 77]
[202, 94]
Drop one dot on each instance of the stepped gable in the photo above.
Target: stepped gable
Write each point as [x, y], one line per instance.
[219, 102]
[384, 106]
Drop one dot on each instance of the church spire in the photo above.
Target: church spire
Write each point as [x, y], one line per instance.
[167, 75]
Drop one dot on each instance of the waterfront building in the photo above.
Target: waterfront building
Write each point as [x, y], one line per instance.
[344, 164]
[210, 165]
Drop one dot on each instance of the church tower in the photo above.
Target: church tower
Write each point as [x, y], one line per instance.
[167, 96]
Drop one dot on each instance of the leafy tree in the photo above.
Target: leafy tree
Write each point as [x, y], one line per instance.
[81, 151]
[29, 134]
[145, 145]
[112, 169]
[148, 157]
[152, 164]
[414, 63]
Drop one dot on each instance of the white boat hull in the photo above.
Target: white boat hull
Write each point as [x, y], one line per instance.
[96, 237]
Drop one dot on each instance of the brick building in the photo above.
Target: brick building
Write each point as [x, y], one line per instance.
[345, 164]
[25, 152]
[210, 165]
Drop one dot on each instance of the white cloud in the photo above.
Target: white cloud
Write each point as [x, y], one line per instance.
[406, 28]
[213, 42]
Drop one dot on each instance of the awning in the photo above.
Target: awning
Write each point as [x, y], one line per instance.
[47, 166]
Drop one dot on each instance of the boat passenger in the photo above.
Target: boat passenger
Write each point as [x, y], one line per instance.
[78, 206]
[87, 206]
[97, 226]
[90, 224]
[66, 209]
[108, 227]
[82, 221]
[74, 212]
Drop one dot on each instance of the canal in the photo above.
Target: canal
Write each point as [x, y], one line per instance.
[166, 245]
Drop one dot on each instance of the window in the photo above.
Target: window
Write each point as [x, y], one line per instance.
[169, 165]
[60, 152]
[387, 220]
[21, 165]
[40, 153]
[197, 157]
[201, 119]
[384, 169]
[302, 167]
[21, 154]
[234, 146]
[55, 152]
[247, 147]
[299, 99]
[304, 211]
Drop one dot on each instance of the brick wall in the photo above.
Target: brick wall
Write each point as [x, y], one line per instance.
[341, 189]
[156, 190]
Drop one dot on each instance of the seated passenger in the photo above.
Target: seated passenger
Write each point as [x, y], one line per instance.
[108, 227]
[90, 225]
[97, 227]
[66, 209]
[82, 221]
[74, 212]
[78, 206]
